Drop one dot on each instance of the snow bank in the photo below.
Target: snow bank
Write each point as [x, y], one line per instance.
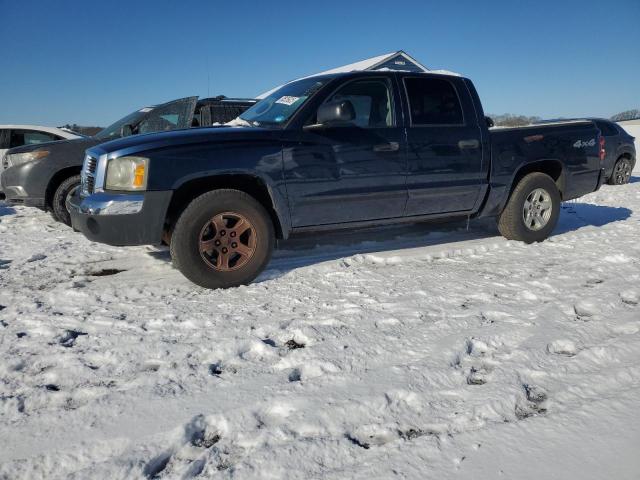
[413, 352]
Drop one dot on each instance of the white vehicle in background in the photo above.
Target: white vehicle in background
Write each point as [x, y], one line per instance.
[18, 135]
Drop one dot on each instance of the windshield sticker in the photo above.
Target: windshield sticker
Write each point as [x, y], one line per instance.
[145, 110]
[287, 100]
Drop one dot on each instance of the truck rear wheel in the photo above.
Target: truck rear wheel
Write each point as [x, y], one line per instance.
[224, 238]
[532, 210]
[61, 197]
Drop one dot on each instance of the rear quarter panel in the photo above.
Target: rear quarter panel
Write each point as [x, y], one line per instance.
[574, 146]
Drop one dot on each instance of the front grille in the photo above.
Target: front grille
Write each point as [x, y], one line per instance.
[91, 165]
[90, 185]
[88, 177]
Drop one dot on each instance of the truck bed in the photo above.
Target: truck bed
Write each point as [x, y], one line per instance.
[571, 146]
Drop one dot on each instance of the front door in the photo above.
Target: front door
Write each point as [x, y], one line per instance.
[354, 171]
[444, 148]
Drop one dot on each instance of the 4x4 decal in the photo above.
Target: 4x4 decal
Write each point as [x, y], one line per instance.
[585, 143]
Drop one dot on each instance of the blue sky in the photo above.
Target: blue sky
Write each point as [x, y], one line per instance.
[93, 62]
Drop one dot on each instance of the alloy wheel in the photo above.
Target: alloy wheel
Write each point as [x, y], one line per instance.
[537, 209]
[227, 241]
[622, 171]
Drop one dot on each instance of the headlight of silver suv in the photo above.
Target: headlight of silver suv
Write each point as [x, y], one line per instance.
[15, 159]
[127, 173]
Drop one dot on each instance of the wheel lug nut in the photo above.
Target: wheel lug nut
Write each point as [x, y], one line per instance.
[222, 233]
[233, 234]
[234, 245]
[224, 250]
[217, 242]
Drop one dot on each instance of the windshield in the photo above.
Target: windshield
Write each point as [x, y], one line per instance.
[114, 131]
[279, 106]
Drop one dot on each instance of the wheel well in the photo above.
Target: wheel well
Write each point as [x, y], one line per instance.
[249, 184]
[56, 180]
[627, 155]
[553, 168]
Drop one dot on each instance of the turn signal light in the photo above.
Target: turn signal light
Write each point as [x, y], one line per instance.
[138, 176]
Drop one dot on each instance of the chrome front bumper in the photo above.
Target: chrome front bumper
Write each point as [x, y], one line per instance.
[110, 204]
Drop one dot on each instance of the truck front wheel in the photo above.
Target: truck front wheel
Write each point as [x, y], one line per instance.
[532, 211]
[224, 238]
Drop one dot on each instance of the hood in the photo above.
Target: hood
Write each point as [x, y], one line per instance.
[81, 143]
[139, 143]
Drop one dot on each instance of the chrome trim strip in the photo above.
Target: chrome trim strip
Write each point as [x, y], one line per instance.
[111, 204]
[101, 173]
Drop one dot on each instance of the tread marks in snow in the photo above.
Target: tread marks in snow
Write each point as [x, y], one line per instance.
[190, 457]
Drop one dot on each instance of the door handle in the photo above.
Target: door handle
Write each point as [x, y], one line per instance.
[463, 144]
[387, 147]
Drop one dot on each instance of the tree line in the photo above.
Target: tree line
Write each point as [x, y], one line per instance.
[511, 120]
[503, 120]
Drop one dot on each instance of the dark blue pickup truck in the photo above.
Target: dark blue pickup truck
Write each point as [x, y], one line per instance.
[335, 151]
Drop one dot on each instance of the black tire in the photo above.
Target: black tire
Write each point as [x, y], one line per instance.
[621, 173]
[60, 198]
[512, 224]
[198, 217]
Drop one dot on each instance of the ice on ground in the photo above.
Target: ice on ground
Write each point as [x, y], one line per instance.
[411, 352]
[563, 347]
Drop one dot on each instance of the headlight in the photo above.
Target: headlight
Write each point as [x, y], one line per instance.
[20, 158]
[127, 173]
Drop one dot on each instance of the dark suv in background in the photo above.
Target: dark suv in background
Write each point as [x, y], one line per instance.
[46, 175]
[620, 151]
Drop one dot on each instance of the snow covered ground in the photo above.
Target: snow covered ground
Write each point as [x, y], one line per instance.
[421, 352]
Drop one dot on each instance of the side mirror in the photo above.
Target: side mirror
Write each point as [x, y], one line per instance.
[126, 130]
[489, 121]
[340, 111]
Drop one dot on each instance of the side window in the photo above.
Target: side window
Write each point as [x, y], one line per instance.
[371, 100]
[4, 139]
[29, 137]
[32, 137]
[167, 117]
[433, 101]
[16, 138]
[606, 129]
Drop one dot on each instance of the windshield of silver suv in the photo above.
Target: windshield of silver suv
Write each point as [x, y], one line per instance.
[278, 107]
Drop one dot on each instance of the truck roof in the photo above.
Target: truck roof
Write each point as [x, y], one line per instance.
[373, 73]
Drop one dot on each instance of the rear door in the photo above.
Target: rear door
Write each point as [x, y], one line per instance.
[444, 146]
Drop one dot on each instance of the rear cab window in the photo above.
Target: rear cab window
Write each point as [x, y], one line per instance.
[433, 101]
